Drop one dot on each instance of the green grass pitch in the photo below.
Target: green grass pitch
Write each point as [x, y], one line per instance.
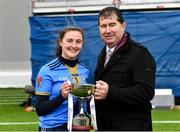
[14, 118]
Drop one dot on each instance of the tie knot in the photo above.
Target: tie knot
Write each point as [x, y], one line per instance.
[109, 52]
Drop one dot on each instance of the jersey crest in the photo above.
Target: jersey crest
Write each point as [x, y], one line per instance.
[39, 80]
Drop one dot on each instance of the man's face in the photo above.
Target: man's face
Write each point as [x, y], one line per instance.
[111, 30]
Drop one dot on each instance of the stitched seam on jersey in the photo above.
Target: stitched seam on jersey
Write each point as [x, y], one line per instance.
[57, 65]
[53, 63]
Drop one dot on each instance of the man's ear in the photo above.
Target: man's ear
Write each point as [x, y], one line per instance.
[124, 26]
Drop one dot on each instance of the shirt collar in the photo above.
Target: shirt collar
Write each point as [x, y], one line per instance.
[112, 49]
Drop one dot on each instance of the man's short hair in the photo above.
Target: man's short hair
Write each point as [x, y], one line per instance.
[109, 11]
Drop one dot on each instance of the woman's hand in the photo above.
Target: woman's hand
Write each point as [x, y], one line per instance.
[65, 89]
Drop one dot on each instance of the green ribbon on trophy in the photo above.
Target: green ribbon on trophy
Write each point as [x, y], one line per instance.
[83, 120]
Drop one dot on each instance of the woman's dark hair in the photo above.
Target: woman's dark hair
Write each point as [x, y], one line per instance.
[109, 11]
[61, 36]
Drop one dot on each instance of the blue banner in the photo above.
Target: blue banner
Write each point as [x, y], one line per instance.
[159, 31]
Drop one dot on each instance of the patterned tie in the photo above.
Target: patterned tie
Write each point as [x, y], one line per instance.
[108, 56]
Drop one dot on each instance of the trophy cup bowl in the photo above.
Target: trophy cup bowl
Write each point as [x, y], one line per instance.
[83, 91]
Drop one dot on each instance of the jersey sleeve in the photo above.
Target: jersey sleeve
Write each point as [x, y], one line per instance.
[44, 81]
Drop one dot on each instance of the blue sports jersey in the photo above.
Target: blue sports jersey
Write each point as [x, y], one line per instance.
[49, 80]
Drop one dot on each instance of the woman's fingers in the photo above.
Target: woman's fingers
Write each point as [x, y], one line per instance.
[65, 89]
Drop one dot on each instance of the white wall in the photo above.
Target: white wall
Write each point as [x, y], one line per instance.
[15, 68]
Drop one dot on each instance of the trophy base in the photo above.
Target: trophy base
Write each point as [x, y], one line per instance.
[82, 128]
[81, 122]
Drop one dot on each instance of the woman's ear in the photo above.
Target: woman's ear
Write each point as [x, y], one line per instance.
[59, 42]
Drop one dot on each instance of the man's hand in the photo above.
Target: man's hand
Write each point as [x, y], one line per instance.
[101, 90]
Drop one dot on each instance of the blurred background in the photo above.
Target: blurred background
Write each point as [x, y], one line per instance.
[15, 48]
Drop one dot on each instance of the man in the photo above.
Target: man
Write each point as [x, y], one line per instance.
[124, 83]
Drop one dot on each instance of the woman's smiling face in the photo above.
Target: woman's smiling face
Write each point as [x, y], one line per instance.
[71, 44]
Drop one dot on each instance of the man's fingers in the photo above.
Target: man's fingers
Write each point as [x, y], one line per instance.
[100, 82]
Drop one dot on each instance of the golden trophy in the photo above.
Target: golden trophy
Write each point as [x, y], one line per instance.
[83, 120]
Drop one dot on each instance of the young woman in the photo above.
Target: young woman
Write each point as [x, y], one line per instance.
[54, 79]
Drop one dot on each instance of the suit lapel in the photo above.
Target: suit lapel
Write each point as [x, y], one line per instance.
[113, 60]
[100, 65]
[117, 55]
[101, 70]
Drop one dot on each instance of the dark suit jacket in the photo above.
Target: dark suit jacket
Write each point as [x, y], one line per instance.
[130, 74]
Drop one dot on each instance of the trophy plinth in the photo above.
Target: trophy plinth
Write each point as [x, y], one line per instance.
[82, 91]
[81, 122]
